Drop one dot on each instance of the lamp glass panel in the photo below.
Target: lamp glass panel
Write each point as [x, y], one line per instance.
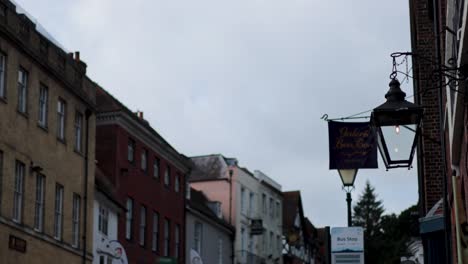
[399, 141]
[347, 176]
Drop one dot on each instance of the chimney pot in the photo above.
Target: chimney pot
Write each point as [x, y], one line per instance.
[77, 55]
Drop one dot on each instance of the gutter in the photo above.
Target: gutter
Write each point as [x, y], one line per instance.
[88, 114]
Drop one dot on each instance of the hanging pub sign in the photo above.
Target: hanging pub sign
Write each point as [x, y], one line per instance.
[352, 145]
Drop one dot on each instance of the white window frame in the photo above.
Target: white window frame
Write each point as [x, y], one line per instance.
[243, 206]
[3, 91]
[177, 183]
[78, 131]
[156, 168]
[177, 241]
[142, 236]
[19, 192]
[167, 238]
[129, 219]
[198, 237]
[58, 213]
[155, 236]
[103, 220]
[22, 90]
[76, 220]
[61, 118]
[251, 204]
[131, 150]
[144, 159]
[167, 176]
[43, 105]
[39, 204]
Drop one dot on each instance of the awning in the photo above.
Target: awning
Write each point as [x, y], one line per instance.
[434, 219]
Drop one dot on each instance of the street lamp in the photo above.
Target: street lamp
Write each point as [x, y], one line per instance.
[397, 123]
[347, 177]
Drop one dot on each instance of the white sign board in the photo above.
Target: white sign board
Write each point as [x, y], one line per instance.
[347, 245]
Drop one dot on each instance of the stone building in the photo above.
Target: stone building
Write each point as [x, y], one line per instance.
[149, 175]
[46, 147]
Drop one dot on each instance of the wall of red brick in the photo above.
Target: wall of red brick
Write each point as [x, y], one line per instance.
[426, 92]
[144, 189]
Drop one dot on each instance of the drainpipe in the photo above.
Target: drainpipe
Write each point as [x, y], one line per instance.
[85, 198]
[230, 196]
[230, 216]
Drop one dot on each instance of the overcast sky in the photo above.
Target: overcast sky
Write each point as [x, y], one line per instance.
[247, 78]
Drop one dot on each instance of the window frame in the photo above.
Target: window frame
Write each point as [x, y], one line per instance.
[18, 197]
[79, 117]
[167, 177]
[43, 111]
[103, 220]
[177, 183]
[61, 119]
[76, 207]
[1, 179]
[144, 160]
[3, 75]
[131, 145]
[167, 237]
[22, 90]
[58, 212]
[142, 226]
[156, 168]
[177, 241]
[39, 209]
[129, 219]
[198, 237]
[155, 233]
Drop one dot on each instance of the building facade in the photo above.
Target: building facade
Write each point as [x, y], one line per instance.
[47, 138]
[208, 235]
[241, 195]
[270, 200]
[149, 175]
[106, 217]
[296, 242]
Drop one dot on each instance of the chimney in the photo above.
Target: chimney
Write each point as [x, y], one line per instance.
[77, 55]
[140, 114]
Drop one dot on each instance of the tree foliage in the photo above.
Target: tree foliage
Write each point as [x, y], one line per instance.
[368, 214]
[385, 236]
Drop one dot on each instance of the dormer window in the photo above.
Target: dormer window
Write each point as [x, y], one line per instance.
[3, 10]
[43, 46]
[24, 28]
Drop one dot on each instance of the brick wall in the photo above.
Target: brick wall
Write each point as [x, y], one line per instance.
[426, 92]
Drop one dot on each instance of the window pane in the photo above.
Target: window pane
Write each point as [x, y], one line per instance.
[39, 209]
[144, 164]
[129, 219]
[58, 212]
[22, 90]
[43, 101]
[142, 225]
[2, 76]
[76, 220]
[156, 168]
[61, 112]
[155, 238]
[78, 131]
[18, 194]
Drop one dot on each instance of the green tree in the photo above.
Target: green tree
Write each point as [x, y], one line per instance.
[368, 214]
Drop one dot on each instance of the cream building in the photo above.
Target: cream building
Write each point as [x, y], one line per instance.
[47, 138]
